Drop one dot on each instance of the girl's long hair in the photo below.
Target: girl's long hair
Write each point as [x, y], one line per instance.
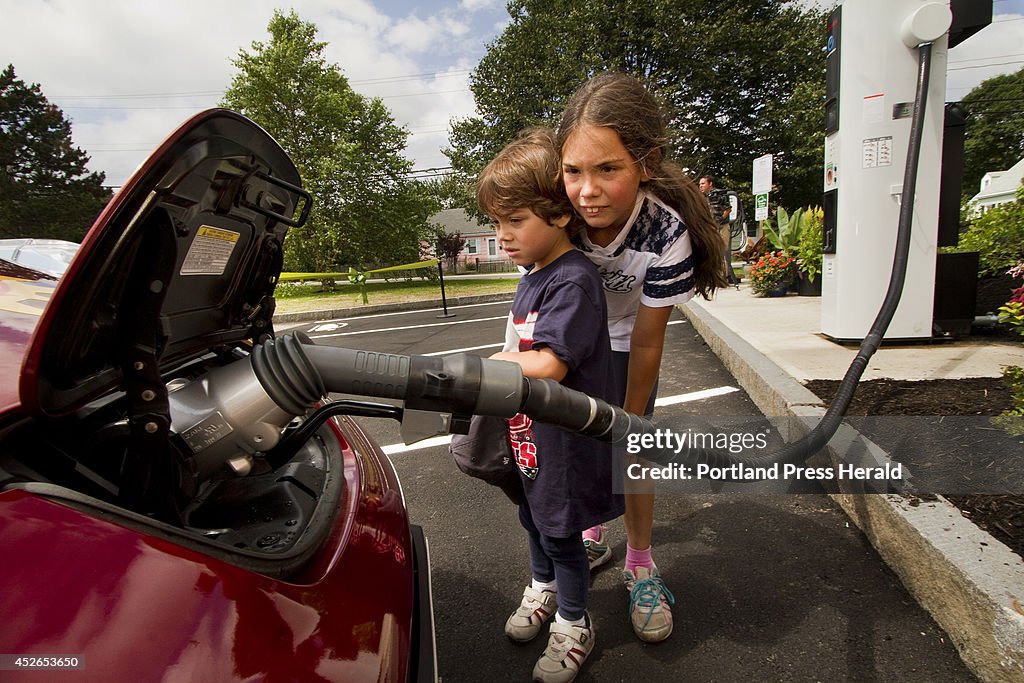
[622, 103]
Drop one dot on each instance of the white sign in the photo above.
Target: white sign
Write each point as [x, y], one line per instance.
[210, 251]
[876, 152]
[874, 108]
[762, 175]
[761, 207]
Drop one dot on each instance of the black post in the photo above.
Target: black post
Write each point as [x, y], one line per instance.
[444, 301]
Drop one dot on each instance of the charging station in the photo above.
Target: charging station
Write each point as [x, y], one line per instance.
[871, 77]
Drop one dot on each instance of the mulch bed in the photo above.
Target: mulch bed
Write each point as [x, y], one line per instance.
[1000, 515]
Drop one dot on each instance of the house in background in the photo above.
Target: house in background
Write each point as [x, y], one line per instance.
[481, 252]
[998, 187]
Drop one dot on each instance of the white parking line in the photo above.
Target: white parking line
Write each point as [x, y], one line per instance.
[424, 310]
[468, 348]
[433, 441]
[395, 448]
[694, 396]
[406, 327]
[499, 344]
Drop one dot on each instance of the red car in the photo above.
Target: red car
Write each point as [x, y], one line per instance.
[156, 522]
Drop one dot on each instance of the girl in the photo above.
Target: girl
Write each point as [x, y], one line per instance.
[651, 234]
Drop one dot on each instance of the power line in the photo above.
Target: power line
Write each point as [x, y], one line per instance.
[396, 79]
[194, 93]
[978, 59]
[79, 107]
[418, 94]
[146, 147]
[206, 93]
[984, 66]
[175, 107]
[994, 99]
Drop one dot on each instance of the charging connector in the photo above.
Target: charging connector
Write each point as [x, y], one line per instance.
[926, 24]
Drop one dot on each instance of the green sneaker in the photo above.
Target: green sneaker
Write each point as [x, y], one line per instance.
[650, 604]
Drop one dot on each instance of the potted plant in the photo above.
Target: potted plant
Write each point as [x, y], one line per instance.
[808, 254]
[772, 274]
[787, 238]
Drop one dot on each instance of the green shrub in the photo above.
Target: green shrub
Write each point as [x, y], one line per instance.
[808, 253]
[997, 236]
[1012, 314]
[1012, 420]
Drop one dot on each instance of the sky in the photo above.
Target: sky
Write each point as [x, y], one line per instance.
[128, 72]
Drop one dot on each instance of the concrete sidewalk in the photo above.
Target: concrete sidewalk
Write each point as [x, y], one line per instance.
[971, 584]
[785, 330]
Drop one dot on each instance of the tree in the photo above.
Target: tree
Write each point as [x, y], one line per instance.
[347, 148]
[45, 189]
[448, 190]
[448, 246]
[994, 139]
[727, 73]
[998, 237]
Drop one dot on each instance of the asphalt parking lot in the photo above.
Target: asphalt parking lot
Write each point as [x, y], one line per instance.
[769, 587]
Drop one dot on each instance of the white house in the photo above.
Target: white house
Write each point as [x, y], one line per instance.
[998, 187]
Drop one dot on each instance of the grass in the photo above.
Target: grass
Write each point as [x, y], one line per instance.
[300, 297]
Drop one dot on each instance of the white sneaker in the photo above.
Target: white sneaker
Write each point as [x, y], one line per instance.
[650, 604]
[534, 610]
[568, 647]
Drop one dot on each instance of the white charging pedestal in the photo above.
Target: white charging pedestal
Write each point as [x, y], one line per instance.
[872, 78]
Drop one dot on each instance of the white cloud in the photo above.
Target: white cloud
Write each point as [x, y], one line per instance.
[97, 61]
[475, 5]
[996, 49]
[127, 73]
[416, 35]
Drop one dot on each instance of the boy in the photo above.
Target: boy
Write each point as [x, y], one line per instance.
[558, 330]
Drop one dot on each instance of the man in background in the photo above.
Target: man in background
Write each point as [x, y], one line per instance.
[720, 209]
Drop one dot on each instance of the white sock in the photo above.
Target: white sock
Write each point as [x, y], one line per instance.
[550, 586]
[582, 621]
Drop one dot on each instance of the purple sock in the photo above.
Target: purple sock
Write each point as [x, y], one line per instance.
[638, 558]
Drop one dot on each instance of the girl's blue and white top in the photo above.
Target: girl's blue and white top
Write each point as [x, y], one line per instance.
[649, 262]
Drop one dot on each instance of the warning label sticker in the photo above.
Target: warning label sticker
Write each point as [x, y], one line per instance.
[209, 252]
[876, 152]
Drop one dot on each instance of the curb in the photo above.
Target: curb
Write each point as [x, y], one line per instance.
[372, 309]
[971, 584]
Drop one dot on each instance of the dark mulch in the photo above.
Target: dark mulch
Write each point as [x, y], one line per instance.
[1000, 515]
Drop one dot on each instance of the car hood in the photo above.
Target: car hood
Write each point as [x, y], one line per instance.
[184, 259]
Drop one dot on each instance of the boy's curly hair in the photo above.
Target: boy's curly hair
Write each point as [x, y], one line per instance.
[527, 174]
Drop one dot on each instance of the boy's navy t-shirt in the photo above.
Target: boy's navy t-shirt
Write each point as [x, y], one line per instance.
[567, 476]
